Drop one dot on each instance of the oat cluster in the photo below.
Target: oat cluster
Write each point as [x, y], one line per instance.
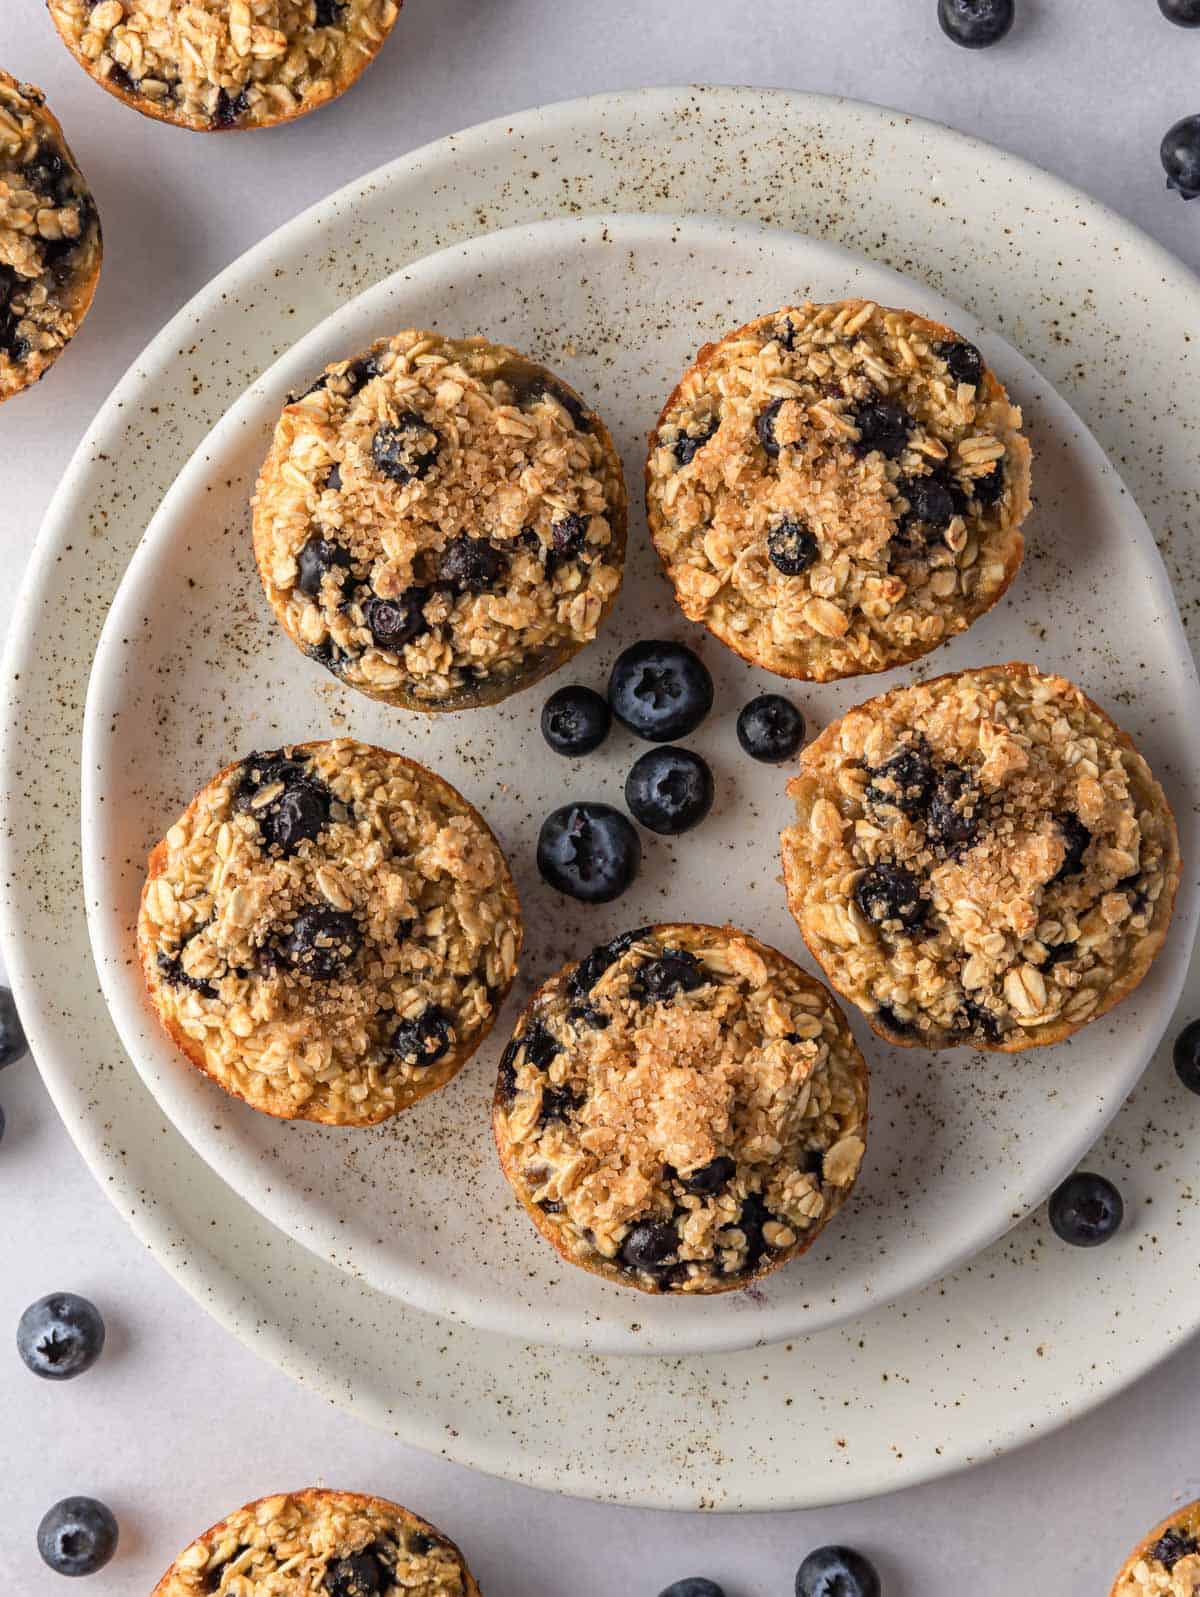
[980, 859]
[837, 489]
[440, 521]
[1168, 1563]
[683, 1110]
[215, 64]
[328, 931]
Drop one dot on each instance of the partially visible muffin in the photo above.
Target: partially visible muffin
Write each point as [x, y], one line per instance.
[1167, 1563]
[217, 65]
[682, 1111]
[50, 244]
[319, 1543]
[981, 859]
[440, 521]
[328, 931]
[837, 489]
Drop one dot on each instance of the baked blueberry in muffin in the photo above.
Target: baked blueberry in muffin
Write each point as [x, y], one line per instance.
[1167, 1562]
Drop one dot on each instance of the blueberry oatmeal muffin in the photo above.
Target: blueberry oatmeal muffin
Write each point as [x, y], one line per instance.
[319, 1543]
[328, 931]
[982, 859]
[837, 489]
[440, 522]
[681, 1111]
[1167, 1563]
[214, 65]
[50, 244]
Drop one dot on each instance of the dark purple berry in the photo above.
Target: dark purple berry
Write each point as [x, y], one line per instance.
[395, 622]
[77, 1536]
[791, 547]
[319, 556]
[954, 817]
[837, 1572]
[588, 851]
[322, 942]
[673, 971]
[660, 690]
[364, 1574]
[1086, 1210]
[13, 1043]
[710, 1178]
[976, 24]
[963, 361]
[1186, 1055]
[930, 504]
[905, 782]
[472, 565]
[649, 1245]
[60, 1336]
[669, 790]
[881, 426]
[1172, 1546]
[770, 728]
[890, 896]
[423, 1040]
[1076, 837]
[1183, 13]
[688, 444]
[765, 428]
[406, 451]
[575, 721]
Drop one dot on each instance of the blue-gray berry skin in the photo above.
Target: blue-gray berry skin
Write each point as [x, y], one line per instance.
[1187, 1056]
[1183, 13]
[837, 1572]
[976, 24]
[693, 1586]
[13, 1042]
[1086, 1210]
[1180, 153]
[60, 1336]
[77, 1536]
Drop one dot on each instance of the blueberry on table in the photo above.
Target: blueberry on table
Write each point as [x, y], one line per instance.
[660, 691]
[1187, 1056]
[693, 1586]
[1086, 1210]
[1180, 152]
[976, 23]
[837, 1572]
[669, 790]
[77, 1536]
[2, 1125]
[13, 1044]
[60, 1336]
[770, 728]
[1184, 13]
[588, 851]
[575, 721]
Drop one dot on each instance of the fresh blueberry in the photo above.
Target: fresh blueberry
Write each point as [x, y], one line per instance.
[322, 942]
[319, 556]
[882, 426]
[930, 503]
[963, 360]
[588, 851]
[710, 1178]
[889, 894]
[575, 721]
[688, 445]
[837, 1572]
[1076, 837]
[669, 790]
[1187, 1056]
[674, 971]
[660, 690]
[77, 1536]
[1183, 13]
[405, 452]
[395, 622]
[472, 565]
[60, 1336]
[904, 782]
[693, 1586]
[791, 547]
[1180, 152]
[649, 1245]
[13, 1043]
[765, 428]
[423, 1040]
[976, 23]
[770, 728]
[364, 1574]
[1086, 1210]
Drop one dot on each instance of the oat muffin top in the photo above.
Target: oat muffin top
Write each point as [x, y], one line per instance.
[328, 931]
[320, 1544]
[440, 522]
[213, 65]
[683, 1110]
[1167, 1564]
[50, 244]
[836, 489]
[983, 859]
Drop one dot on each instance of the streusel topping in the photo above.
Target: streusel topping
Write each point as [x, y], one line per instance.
[214, 64]
[983, 859]
[1169, 1565]
[331, 929]
[319, 1544]
[440, 521]
[835, 489]
[49, 238]
[683, 1110]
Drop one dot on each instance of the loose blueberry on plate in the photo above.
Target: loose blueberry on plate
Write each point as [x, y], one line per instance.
[77, 1536]
[975, 24]
[1180, 152]
[837, 1572]
[1187, 1056]
[13, 1043]
[588, 851]
[1184, 13]
[1086, 1210]
[770, 728]
[669, 790]
[660, 690]
[575, 721]
[693, 1586]
[60, 1336]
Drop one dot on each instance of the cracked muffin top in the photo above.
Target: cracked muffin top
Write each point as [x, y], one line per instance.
[440, 522]
[50, 245]
[320, 1544]
[983, 858]
[683, 1110]
[329, 931]
[1167, 1564]
[215, 65]
[837, 489]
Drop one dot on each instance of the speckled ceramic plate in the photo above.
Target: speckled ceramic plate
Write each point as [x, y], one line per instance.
[1027, 1335]
[192, 672]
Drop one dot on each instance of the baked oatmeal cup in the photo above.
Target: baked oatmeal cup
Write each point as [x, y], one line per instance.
[218, 65]
[837, 489]
[682, 1111]
[50, 244]
[329, 931]
[981, 859]
[440, 522]
[319, 1543]
[1167, 1562]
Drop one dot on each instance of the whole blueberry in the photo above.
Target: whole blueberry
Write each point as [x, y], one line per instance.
[963, 360]
[710, 1178]
[1180, 152]
[363, 1574]
[13, 1043]
[1184, 13]
[395, 622]
[1187, 1056]
[649, 1245]
[423, 1040]
[407, 450]
[77, 1536]
[693, 1586]
[588, 851]
[770, 728]
[791, 547]
[322, 942]
[890, 895]
[660, 690]
[881, 426]
[837, 1572]
[1086, 1210]
[976, 23]
[317, 558]
[472, 565]
[575, 721]
[60, 1336]
[669, 790]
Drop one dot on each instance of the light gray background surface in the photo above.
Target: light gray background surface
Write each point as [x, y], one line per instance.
[179, 1423]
